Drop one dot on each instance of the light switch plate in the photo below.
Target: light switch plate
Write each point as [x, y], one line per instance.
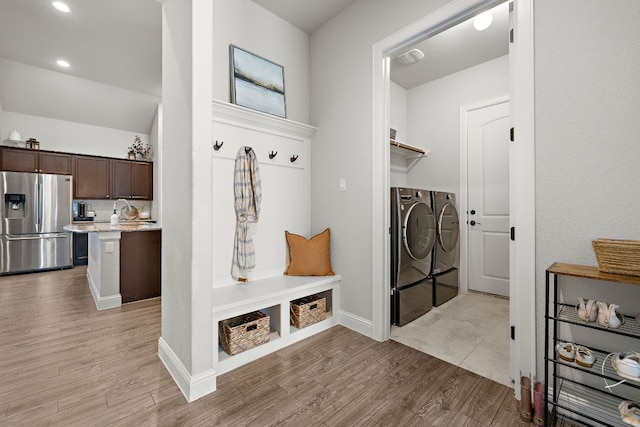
[343, 184]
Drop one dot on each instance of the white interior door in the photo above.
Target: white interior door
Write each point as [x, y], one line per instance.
[488, 198]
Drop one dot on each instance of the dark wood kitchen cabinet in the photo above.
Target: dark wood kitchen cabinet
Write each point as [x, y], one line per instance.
[140, 256]
[57, 163]
[34, 161]
[92, 178]
[80, 248]
[131, 180]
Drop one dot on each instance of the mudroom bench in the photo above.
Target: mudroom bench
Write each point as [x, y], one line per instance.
[271, 295]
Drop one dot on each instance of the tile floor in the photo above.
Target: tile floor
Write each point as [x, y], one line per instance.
[470, 331]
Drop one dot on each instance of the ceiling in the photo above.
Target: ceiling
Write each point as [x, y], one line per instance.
[307, 15]
[113, 46]
[127, 61]
[454, 50]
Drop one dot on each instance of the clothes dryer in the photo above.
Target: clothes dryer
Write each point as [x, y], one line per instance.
[447, 248]
[413, 234]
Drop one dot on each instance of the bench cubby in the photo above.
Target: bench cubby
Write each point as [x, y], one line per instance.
[272, 296]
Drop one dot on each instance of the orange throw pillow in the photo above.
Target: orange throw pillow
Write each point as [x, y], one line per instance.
[309, 257]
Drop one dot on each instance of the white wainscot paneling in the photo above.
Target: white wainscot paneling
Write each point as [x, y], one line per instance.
[285, 190]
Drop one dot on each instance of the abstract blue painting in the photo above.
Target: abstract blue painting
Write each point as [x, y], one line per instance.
[256, 83]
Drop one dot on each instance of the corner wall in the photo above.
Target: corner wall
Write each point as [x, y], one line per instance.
[186, 343]
[587, 130]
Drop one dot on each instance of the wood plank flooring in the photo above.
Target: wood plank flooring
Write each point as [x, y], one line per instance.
[63, 363]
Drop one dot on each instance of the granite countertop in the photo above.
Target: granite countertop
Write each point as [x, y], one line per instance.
[97, 227]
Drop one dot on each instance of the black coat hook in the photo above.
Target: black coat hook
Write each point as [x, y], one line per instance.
[247, 149]
[217, 145]
[293, 158]
[272, 154]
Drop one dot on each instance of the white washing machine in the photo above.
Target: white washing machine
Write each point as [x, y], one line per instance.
[413, 233]
[446, 258]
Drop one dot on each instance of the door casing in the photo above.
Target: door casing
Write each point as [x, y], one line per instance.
[522, 182]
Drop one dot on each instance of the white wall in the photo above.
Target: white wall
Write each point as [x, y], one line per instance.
[587, 128]
[177, 290]
[398, 110]
[186, 344]
[1, 128]
[434, 120]
[398, 120]
[44, 93]
[253, 28]
[70, 137]
[341, 82]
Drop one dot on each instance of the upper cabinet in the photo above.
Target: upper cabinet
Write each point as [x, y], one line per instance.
[131, 180]
[35, 161]
[92, 178]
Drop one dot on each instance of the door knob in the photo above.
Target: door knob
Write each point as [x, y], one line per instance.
[473, 223]
[473, 212]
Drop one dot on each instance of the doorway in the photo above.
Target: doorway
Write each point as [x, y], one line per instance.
[522, 174]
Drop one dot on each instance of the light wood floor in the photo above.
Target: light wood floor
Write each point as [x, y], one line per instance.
[63, 363]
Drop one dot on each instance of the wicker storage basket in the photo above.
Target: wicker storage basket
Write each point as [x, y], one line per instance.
[308, 310]
[618, 256]
[243, 332]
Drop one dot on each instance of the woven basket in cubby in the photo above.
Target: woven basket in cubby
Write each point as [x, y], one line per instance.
[241, 333]
[308, 310]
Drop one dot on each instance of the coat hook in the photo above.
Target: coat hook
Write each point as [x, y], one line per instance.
[217, 145]
[293, 158]
[272, 154]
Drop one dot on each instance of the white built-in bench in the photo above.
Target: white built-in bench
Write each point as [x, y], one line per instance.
[271, 295]
[283, 151]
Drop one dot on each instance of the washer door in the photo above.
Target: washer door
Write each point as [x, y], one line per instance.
[419, 231]
[448, 227]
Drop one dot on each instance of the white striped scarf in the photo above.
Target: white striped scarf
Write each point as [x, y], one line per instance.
[248, 195]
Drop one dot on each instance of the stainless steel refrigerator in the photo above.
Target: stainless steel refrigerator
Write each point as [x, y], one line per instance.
[35, 208]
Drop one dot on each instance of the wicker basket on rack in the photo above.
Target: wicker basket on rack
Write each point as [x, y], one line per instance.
[308, 310]
[241, 333]
[618, 256]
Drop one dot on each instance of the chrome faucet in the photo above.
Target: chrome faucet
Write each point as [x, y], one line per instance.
[116, 203]
[115, 218]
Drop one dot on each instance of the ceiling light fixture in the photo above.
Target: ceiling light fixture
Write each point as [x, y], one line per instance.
[411, 56]
[62, 63]
[62, 7]
[482, 21]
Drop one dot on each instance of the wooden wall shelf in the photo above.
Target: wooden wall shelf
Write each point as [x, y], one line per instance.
[410, 152]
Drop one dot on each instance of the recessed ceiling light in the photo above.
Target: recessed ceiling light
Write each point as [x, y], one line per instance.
[62, 7]
[62, 63]
[482, 21]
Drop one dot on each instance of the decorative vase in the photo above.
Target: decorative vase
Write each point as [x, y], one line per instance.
[132, 155]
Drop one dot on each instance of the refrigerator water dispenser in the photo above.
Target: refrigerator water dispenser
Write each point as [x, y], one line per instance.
[14, 205]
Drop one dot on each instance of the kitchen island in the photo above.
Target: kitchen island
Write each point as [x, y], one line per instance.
[124, 261]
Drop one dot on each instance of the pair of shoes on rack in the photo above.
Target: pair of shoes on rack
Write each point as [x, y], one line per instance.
[627, 365]
[569, 352]
[605, 314]
[630, 412]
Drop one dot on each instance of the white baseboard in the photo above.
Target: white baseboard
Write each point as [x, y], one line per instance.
[357, 323]
[192, 387]
[103, 303]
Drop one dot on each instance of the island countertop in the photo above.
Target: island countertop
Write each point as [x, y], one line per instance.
[101, 227]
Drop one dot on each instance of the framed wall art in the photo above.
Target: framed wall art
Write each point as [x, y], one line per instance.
[256, 83]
